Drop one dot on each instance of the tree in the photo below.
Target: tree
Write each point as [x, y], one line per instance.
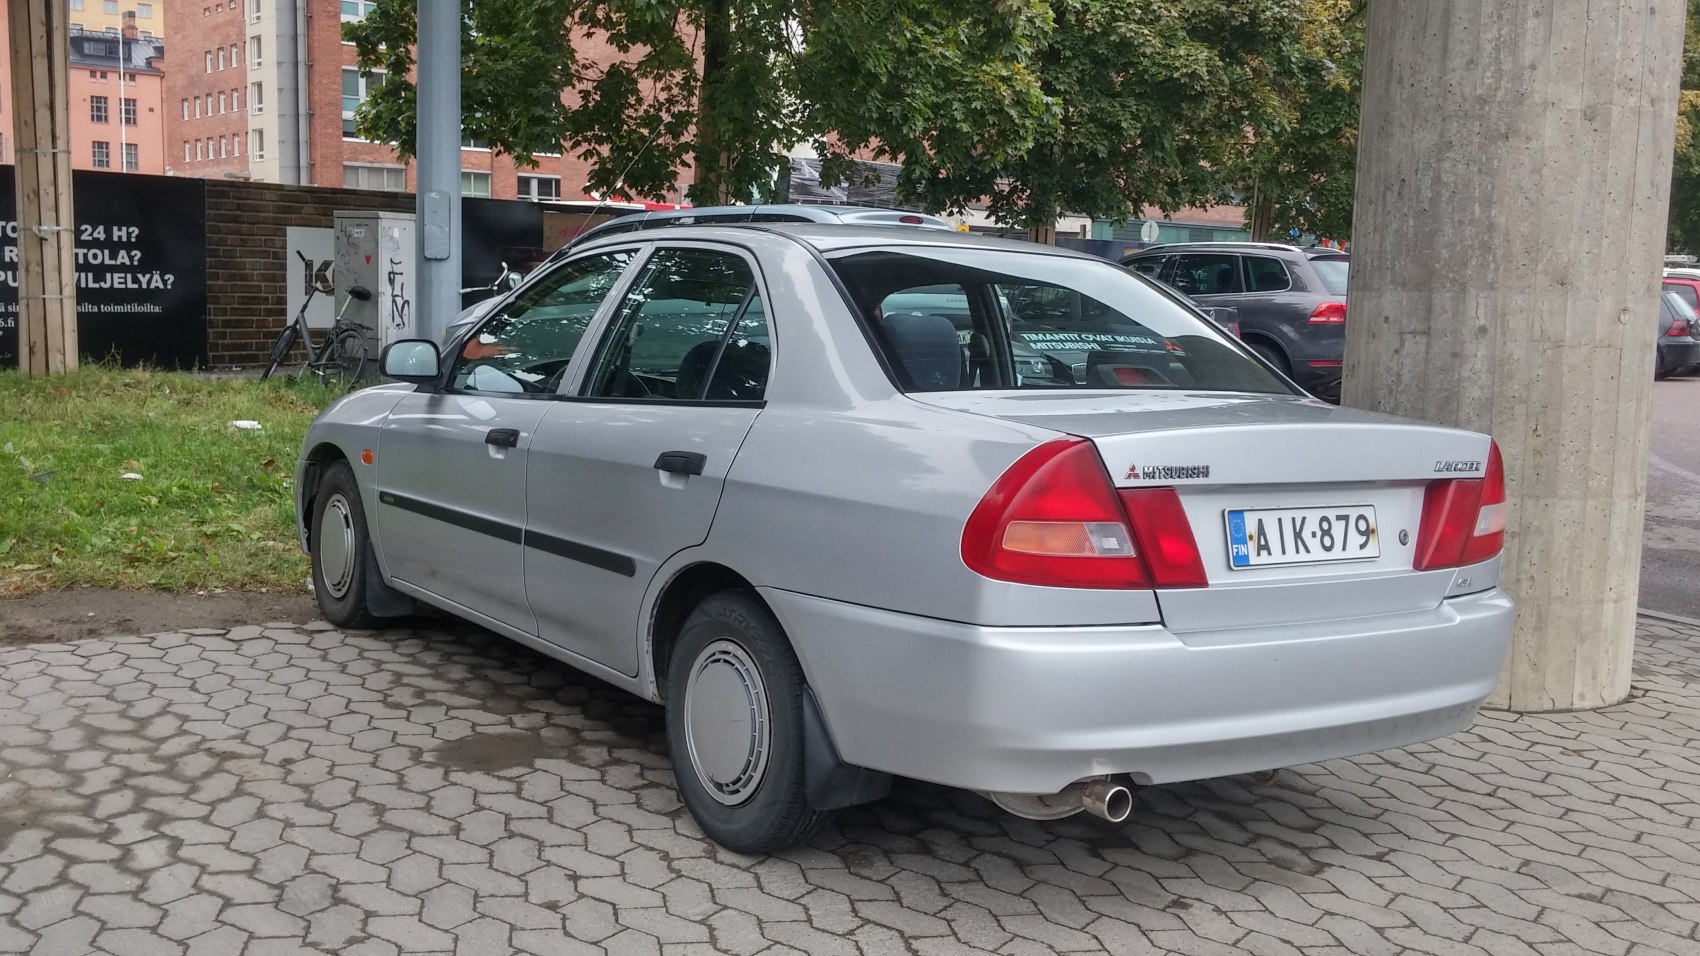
[1107, 106]
[1301, 172]
[1683, 232]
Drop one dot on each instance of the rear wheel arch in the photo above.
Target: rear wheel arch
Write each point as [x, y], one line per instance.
[687, 588]
[1267, 346]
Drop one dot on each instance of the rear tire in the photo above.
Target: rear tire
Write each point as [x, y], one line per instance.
[1660, 373]
[347, 358]
[1273, 356]
[280, 350]
[735, 726]
[339, 549]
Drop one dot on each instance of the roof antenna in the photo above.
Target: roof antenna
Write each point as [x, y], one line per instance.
[619, 181]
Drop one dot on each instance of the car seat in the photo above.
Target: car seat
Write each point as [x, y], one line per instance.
[927, 349]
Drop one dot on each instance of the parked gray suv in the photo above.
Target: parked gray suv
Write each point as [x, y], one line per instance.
[1291, 301]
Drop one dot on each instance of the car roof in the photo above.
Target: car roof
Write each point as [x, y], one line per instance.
[804, 212]
[1308, 252]
[827, 237]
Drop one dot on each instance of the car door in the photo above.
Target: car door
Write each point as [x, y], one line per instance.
[628, 471]
[451, 464]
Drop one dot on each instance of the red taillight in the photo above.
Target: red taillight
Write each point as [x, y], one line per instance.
[1328, 313]
[1679, 327]
[1463, 519]
[910, 220]
[1054, 520]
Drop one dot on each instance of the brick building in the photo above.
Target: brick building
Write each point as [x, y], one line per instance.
[266, 89]
[115, 76]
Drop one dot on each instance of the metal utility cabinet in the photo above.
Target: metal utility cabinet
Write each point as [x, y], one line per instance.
[376, 250]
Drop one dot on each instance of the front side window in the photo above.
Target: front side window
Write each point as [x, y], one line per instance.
[690, 328]
[97, 109]
[1206, 274]
[950, 319]
[1265, 274]
[527, 344]
[1149, 266]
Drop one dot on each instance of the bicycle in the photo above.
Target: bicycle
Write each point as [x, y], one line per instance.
[342, 358]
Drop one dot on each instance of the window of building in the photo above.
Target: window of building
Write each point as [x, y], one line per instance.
[186, 151]
[198, 153]
[102, 154]
[185, 109]
[2, 147]
[97, 109]
[209, 61]
[76, 4]
[366, 176]
[236, 145]
[144, 11]
[197, 107]
[235, 55]
[256, 98]
[235, 100]
[357, 9]
[104, 76]
[254, 10]
[132, 157]
[254, 52]
[93, 75]
[535, 188]
[221, 101]
[221, 58]
[209, 104]
[257, 144]
[109, 7]
[128, 105]
[355, 89]
[469, 142]
[474, 183]
[206, 11]
[223, 147]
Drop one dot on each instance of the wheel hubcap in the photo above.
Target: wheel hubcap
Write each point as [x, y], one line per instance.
[727, 723]
[336, 546]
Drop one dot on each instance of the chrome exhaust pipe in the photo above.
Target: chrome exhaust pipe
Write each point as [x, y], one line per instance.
[1107, 800]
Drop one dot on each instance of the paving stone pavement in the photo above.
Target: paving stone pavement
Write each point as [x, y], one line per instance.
[283, 789]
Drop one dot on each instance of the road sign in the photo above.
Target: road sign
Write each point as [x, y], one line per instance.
[1148, 232]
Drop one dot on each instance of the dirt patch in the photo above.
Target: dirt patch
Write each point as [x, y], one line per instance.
[92, 612]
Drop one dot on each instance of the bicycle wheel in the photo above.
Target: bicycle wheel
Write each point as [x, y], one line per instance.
[345, 357]
[280, 349]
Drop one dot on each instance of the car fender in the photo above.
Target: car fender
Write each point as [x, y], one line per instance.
[352, 425]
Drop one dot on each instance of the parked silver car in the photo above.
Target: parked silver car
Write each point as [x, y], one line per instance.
[842, 541]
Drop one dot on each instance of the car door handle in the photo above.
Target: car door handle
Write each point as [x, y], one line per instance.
[681, 462]
[502, 437]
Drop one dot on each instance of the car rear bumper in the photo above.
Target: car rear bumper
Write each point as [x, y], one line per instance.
[1031, 710]
[1679, 354]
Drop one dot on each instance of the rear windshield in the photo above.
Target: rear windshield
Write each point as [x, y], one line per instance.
[1333, 273]
[952, 319]
[1685, 292]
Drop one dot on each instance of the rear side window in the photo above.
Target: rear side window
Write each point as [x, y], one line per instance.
[1333, 273]
[1685, 292]
[691, 327]
[1149, 266]
[1206, 274]
[949, 319]
[1266, 274]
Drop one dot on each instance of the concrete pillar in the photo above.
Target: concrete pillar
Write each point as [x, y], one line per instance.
[47, 286]
[1513, 177]
[438, 197]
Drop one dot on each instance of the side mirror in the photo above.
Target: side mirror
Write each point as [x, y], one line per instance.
[412, 360]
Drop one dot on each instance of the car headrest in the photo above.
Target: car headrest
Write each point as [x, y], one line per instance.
[741, 375]
[927, 348]
[693, 368]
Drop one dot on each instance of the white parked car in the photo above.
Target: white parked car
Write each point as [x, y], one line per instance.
[1074, 539]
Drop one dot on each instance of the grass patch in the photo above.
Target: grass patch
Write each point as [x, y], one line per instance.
[211, 510]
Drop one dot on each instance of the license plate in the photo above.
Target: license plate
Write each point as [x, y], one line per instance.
[1274, 536]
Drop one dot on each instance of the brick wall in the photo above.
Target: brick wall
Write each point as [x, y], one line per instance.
[246, 271]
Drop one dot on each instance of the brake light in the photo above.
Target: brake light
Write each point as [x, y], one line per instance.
[910, 220]
[1679, 327]
[1463, 519]
[1328, 313]
[1054, 520]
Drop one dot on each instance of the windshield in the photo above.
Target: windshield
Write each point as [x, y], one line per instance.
[952, 319]
[1333, 273]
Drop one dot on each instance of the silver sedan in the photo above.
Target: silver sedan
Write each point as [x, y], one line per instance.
[857, 503]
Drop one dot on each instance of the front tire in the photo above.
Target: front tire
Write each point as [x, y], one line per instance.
[339, 546]
[735, 726]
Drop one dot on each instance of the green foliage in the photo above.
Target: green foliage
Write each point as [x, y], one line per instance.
[1683, 232]
[212, 507]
